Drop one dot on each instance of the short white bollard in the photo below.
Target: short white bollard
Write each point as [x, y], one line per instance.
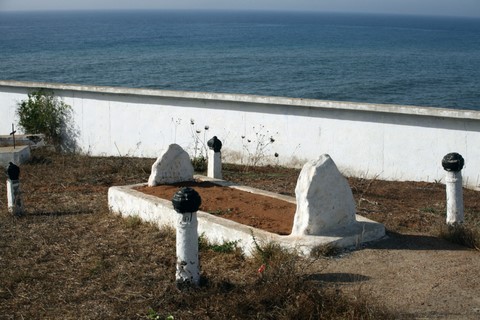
[214, 164]
[14, 200]
[453, 164]
[186, 202]
[214, 158]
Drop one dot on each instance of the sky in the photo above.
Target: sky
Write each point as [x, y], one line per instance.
[467, 8]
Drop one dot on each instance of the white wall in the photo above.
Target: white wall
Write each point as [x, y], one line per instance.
[368, 140]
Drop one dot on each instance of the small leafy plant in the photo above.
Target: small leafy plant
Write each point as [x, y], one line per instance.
[225, 247]
[154, 315]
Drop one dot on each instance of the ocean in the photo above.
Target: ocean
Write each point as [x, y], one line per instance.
[410, 60]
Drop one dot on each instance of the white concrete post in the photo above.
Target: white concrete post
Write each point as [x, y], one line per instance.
[214, 158]
[14, 201]
[453, 164]
[187, 249]
[214, 164]
[186, 202]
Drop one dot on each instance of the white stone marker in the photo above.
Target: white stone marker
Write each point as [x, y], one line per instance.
[172, 166]
[453, 164]
[14, 201]
[324, 199]
[214, 158]
[186, 202]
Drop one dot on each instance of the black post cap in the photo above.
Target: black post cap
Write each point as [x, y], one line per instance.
[186, 200]
[13, 171]
[453, 162]
[214, 144]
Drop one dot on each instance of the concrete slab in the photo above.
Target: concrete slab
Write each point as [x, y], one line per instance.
[17, 155]
[126, 201]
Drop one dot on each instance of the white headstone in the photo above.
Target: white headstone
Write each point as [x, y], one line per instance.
[324, 199]
[172, 166]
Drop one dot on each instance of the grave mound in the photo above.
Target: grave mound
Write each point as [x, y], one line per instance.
[255, 210]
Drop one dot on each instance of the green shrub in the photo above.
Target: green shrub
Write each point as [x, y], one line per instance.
[199, 163]
[44, 113]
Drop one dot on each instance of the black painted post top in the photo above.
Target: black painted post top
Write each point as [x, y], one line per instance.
[453, 162]
[186, 200]
[214, 144]
[13, 171]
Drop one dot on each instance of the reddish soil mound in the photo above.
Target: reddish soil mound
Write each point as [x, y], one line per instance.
[262, 212]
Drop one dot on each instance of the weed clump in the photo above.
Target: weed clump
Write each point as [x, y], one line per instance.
[461, 234]
[199, 163]
[325, 250]
[225, 247]
[284, 290]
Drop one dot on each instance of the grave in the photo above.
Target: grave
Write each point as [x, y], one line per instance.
[348, 230]
[17, 155]
[16, 148]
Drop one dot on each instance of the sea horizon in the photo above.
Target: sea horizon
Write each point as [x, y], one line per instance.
[376, 58]
[260, 11]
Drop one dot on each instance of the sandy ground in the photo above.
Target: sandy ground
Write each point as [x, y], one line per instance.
[416, 275]
[412, 274]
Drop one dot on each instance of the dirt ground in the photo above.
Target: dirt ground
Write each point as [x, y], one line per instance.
[409, 271]
[69, 258]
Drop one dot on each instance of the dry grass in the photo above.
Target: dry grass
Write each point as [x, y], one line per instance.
[461, 234]
[69, 258]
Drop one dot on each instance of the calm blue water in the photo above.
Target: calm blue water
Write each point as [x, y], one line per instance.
[372, 58]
